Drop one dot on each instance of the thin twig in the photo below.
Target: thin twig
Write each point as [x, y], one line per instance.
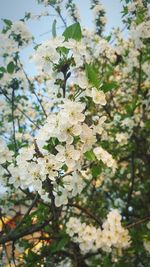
[143, 220]
[31, 85]
[30, 230]
[28, 211]
[132, 182]
[13, 120]
[87, 212]
[7, 97]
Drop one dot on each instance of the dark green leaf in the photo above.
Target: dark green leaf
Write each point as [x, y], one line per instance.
[36, 46]
[11, 67]
[57, 246]
[109, 86]
[96, 170]
[7, 22]
[2, 69]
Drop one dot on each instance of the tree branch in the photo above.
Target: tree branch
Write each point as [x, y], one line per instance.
[143, 220]
[15, 236]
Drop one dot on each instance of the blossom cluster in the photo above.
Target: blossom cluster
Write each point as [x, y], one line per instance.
[6, 154]
[62, 164]
[16, 36]
[112, 235]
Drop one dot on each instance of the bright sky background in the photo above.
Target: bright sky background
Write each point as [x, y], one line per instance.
[15, 10]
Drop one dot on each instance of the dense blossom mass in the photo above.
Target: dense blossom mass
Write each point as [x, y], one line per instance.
[74, 141]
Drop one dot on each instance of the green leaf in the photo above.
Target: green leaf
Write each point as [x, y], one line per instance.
[89, 155]
[7, 22]
[73, 32]
[107, 261]
[2, 69]
[27, 15]
[125, 11]
[36, 46]
[92, 75]
[62, 50]
[109, 86]
[96, 170]
[128, 109]
[11, 67]
[135, 103]
[57, 246]
[54, 28]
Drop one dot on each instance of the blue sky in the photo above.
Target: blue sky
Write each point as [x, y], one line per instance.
[15, 10]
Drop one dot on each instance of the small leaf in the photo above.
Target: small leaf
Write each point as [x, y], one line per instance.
[89, 155]
[2, 70]
[96, 170]
[128, 109]
[36, 46]
[7, 22]
[62, 50]
[11, 67]
[54, 28]
[92, 75]
[1, 75]
[57, 246]
[73, 32]
[109, 86]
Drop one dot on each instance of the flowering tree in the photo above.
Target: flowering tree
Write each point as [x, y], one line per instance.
[75, 143]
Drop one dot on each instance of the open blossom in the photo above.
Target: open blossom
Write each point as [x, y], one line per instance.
[48, 167]
[79, 51]
[81, 80]
[46, 54]
[74, 183]
[98, 97]
[147, 245]
[103, 155]
[73, 111]
[67, 155]
[131, 7]
[5, 153]
[122, 138]
[25, 154]
[15, 178]
[98, 127]
[69, 130]
[88, 137]
[61, 196]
